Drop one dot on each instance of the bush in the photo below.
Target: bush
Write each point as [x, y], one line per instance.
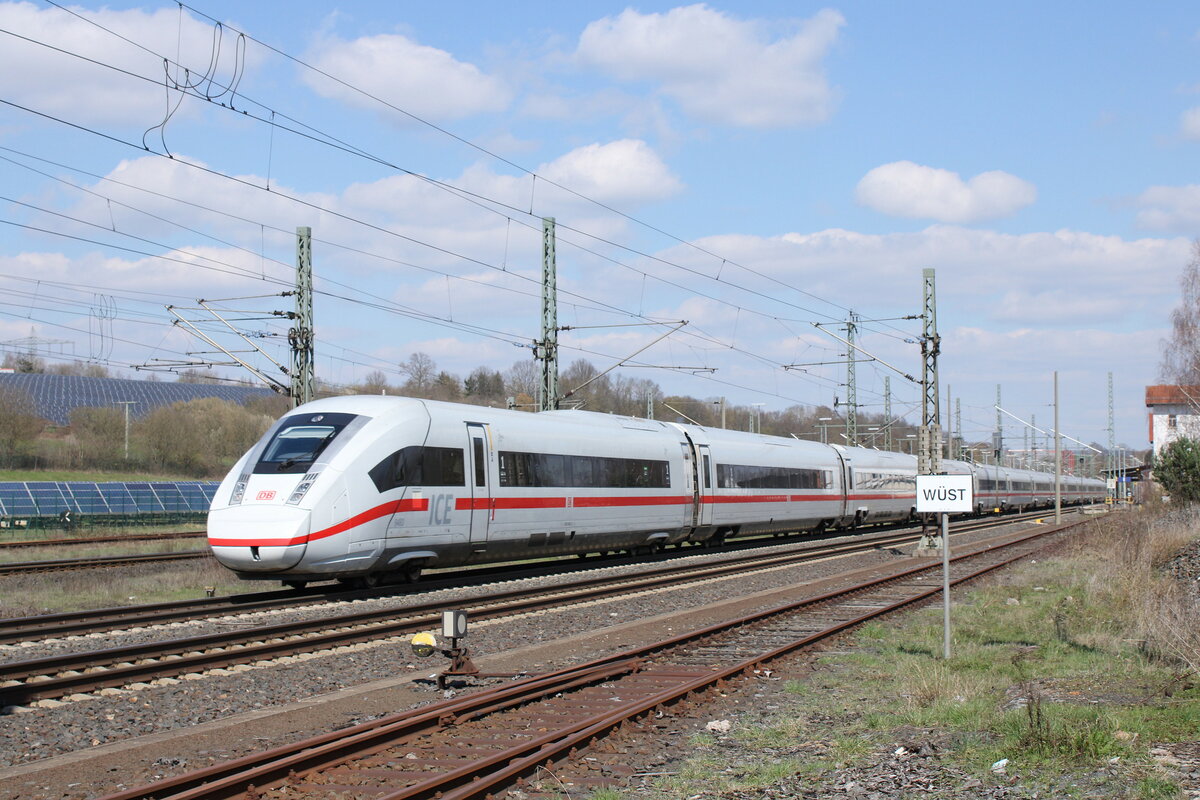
[98, 436]
[201, 437]
[19, 427]
[1177, 468]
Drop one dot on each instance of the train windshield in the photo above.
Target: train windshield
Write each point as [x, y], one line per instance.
[300, 441]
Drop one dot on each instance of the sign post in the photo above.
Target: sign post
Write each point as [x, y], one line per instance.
[945, 495]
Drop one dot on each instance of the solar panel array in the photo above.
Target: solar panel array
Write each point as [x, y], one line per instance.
[51, 498]
[56, 396]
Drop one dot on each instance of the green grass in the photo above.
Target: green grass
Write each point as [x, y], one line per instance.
[1041, 674]
[98, 476]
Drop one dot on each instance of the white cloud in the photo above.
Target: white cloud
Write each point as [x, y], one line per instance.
[419, 79]
[1170, 208]
[905, 189]
[53, 82]
[1189, 123]
[624, 171]
[975, 266]
[719, 68]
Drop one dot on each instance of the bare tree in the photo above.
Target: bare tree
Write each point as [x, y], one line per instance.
[420, 370]
[375, 383]
[1181, 353]
[522, 381]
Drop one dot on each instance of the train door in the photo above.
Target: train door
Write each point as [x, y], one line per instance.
[699, 479]
[479, 481]
[846, 478]
[704, 486]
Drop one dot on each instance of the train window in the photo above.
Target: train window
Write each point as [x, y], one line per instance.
[299, 441]
[889, 481]
[419, 466]
[480, 464]
[742, 476]
[707, 472]
[553, 470]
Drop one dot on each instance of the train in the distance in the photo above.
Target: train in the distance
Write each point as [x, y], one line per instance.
[368, 489]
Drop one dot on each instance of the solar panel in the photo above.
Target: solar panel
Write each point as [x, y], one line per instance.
[87, 497]
[15, 500]
[118, 498]
[143, 498]
[197, 498]
[50, 498]
[55, 396]
[170, 497]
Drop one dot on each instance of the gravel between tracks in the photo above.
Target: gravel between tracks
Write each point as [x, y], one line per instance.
[44, 732]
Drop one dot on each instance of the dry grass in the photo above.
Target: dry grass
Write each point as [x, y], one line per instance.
[40, 593]
[1154, 608]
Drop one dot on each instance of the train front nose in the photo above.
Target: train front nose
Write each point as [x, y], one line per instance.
[258, 538]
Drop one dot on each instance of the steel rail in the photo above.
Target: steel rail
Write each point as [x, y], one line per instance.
[499, 770]
[56, 676]
[38, 628]
[22, 682]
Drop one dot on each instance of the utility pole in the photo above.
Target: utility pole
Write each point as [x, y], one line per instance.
[300, 336]
[999, 444]
[1109, 466]
[546, 349]
[1057, 458]
[851, 383]
[649, 405]
[1033, 439]
[958, 426]
[929, 440]
[127, 404]
[887, 413]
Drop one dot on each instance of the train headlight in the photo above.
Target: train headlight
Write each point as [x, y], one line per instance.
[423, 645]
[239, 489]
[302, 488]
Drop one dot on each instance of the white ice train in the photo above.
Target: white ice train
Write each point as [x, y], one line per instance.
[365, 489]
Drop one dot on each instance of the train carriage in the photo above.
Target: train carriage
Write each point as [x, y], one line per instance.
[369, 488]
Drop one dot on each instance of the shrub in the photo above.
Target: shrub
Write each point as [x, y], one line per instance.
[1177, 468]
[19, 427]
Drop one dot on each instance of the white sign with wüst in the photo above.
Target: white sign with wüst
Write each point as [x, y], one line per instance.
[945, 494]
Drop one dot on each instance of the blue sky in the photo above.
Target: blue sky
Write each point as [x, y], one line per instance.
[774, 164]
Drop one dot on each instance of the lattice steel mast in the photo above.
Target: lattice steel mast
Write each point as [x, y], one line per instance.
[546, 349]
[929, 460]
[300, 335]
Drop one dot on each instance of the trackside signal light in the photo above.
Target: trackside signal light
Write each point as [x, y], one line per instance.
[423, 645]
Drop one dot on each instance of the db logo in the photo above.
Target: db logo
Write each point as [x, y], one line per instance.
[266, 495]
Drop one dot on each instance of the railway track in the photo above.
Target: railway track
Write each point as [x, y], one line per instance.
[481, 744]
[53, 677]
[92, 562]
[40, 627]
